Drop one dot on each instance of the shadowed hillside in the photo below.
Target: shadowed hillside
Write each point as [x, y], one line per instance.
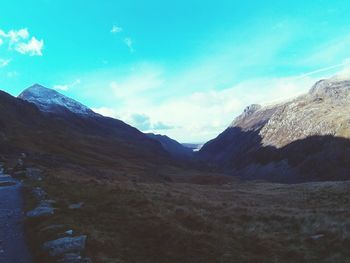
[89, 140]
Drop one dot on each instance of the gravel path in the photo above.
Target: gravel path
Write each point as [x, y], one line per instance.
[13, 247]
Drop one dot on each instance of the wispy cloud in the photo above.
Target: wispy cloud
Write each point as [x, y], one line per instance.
[66, 87]
[4, 62]
[129, 43]
[345, 63]
[116, 29]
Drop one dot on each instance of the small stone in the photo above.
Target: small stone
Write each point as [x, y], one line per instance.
[20, 162]
[317, 237]
[34, 174]
[39, 193]
[69, 232]
[71, 258]
[76, 206]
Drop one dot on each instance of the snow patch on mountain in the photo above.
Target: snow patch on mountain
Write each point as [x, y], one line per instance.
[49, 100]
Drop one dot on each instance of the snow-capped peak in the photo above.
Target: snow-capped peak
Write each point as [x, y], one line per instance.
[49, 100]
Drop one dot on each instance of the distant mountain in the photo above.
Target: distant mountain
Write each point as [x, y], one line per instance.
[306, 138]
[195, 147]
[44, 122]
[176, 149]
[49, 100]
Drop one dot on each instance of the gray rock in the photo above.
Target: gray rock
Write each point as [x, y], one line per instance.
[46, 203]
[317, 237]
[69, 232]
[70, 258]
[74, 258]
[40, 211]
[34, 174]
[20, 163]
[20, 173]
[76, 206]
[39, 193]
[53, 228]
[62, 246]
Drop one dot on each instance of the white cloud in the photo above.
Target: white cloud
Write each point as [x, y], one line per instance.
[129, 43]
[61, 87]
[16, 36]
[18, 40]
[329, 53]
[116, 29]
[66, 87]
[12, 74]
[143, 79]
[190, 115]
[4, 62]
[33, 48]
[202, 98]
[105, 111]
[203, 115]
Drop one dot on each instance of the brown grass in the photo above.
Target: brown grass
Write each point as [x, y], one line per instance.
[193, 221]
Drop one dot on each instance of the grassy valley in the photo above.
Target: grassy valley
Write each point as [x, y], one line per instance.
[198, 217]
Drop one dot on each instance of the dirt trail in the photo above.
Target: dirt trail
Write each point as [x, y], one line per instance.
[13, 247]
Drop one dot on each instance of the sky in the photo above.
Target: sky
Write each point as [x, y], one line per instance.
[183, 68]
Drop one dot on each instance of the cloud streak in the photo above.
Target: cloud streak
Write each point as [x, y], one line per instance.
[66, 87]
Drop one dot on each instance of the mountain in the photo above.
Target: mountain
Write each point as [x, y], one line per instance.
[306, 138]
[64, 131]
[176, 149]
[49, 100]
[195, 147]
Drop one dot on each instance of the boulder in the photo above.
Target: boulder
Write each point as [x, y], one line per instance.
[65, 245]
[40, 211]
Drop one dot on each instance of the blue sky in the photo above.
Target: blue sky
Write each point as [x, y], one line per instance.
[181, 68]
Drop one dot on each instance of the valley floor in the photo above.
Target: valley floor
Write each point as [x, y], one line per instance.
[203, 219]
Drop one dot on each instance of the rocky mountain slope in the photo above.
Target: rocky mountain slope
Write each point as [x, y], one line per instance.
[307, 136]
[176, 149]
[49, 100]
[85, 138]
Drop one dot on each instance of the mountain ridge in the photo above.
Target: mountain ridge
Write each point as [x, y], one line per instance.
[269, 130]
